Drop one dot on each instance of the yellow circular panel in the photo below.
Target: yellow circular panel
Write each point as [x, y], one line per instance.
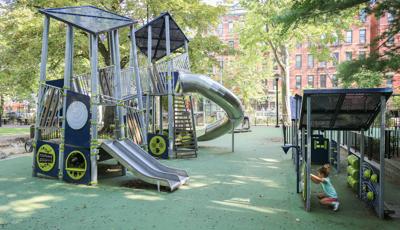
[157, 145]
[76, 165]
[46, 158]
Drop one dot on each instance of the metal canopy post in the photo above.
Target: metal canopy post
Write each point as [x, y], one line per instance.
[43, 64]
[381, 209]
[187, 51]
[149, 68]
[134, 64]
[67, 84]
[170, 97]
[303, 152]
[362, 150]
[117, 86]
[308, 169]
[94, 101]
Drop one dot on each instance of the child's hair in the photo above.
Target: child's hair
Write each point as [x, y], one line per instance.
[324, 171]
[328, 167]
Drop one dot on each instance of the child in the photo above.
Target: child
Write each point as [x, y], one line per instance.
[329, 197]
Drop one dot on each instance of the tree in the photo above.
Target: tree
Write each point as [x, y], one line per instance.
[385, 56]
[263, 32]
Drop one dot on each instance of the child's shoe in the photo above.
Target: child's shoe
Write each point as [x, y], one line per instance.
[335, 206]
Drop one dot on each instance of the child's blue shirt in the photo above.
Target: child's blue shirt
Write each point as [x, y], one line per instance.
[328, 188]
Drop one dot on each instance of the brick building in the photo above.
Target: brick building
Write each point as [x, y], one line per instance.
[307, 72]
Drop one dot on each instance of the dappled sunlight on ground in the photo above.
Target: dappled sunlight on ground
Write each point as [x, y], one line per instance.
[27, 207]
[244, 203]
[144, 197]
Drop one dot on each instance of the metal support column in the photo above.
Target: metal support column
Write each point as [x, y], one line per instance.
[94, 101]
[43, 63]
[134, 64]
[67, 84]
[170, 96]
[308, 171]
[149, 70]
[118, 87]
[362, 150]
[381, 207]
[187, 51]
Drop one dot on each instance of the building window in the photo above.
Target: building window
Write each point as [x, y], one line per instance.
[230, 26]
[298, 61]
[220, 29]
[335, 57]
[362, 54]
[390, 18]
[231, 43]
[390, 40]
[363, 36]
[363, 16]
[298, 45]
[322, 81]
[298, 81]
[311, 81]
[336, 42]
[322, 64]
[389, 80]
[272, 105]
[334, 81]
[349, 37]
[310, 61]
[349, 56]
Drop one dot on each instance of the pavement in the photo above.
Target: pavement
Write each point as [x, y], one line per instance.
[252, 188]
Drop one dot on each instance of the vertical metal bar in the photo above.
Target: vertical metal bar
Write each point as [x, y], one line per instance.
[233, 135]
[303, 152]
[329, 146]
[308, 200]
[170, 86]
[362, 150]
[338, 152]
[134, 64]
[67, 83]
[94, 101]
[161, 117]
[149, 68]
[118, 87]
[382, 159]
[43, 64]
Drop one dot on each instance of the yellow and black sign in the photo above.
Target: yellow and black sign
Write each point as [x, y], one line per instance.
[157, 145]
[46, 158]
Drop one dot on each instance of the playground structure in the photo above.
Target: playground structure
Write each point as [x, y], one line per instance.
[118, 113]
[332, 113]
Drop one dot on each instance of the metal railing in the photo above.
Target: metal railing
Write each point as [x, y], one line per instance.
[50, 113]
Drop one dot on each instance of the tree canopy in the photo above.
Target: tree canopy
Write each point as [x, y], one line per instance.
[20, 43]
[384, 56]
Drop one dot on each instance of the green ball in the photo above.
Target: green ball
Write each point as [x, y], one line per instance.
[370, 195]
[374, 178]
[367, 174]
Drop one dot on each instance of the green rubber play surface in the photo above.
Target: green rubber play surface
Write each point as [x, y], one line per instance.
[253, 188]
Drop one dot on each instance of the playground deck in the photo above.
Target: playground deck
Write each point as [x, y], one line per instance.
[253, 188]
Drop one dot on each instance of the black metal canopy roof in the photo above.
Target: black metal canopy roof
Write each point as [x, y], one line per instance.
[89, 18]
[342, 109]
[177, 37]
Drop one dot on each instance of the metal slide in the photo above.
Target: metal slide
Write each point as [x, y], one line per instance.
[197, 83]
[144, 166]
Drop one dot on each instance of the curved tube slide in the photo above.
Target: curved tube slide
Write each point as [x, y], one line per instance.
[197, 83]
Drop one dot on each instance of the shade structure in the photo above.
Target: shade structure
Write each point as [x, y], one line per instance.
[89, 18]
[177, 37]
[342, 109]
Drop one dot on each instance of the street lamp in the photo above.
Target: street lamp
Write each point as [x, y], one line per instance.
[276, 105]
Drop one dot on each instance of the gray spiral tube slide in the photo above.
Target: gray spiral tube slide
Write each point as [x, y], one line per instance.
[197, 83]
